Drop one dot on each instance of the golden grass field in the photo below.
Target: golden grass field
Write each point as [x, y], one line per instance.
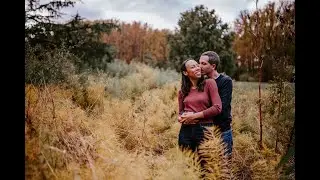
[124, 126]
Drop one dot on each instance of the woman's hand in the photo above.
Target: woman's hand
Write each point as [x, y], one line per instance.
[179, 119]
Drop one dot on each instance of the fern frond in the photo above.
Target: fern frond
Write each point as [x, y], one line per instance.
[212, 153]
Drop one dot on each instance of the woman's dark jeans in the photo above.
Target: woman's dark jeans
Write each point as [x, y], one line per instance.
[190, 136]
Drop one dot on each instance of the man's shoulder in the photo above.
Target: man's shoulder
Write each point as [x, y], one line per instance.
[225, 78]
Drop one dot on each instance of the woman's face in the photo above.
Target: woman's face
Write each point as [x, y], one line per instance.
[193, 69]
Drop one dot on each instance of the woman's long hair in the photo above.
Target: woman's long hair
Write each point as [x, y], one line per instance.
[186, 83]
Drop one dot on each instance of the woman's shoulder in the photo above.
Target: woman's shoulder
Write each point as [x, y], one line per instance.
[209, 83]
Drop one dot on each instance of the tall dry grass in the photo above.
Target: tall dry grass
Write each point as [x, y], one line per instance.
[103, 126]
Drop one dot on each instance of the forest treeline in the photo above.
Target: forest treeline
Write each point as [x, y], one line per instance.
[265, 35]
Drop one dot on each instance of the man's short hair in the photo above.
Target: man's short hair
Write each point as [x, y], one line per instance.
[213, 58]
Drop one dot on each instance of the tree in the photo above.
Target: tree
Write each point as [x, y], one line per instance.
[139, 42]
[79, 37]
[281, 102]
[265, 42]
[202, 30]
[275, 26]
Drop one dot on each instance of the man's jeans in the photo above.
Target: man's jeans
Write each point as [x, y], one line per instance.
[228, 140]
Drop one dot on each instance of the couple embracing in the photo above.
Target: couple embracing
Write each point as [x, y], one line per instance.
[204, 101]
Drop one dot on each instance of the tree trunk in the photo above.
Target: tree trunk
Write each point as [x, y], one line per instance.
[279, 113]
[277, 139]
[291, 141]
[258, 56]
[260, 102]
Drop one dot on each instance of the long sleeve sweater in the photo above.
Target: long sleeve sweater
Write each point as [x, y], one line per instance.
[207, 101]
[223, 120]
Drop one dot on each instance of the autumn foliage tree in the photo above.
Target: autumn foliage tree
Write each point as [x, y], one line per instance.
[265, 44]
[276, 41]
[139, 42]
[281, 103]
[275, 47]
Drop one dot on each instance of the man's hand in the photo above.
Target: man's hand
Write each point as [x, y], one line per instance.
[188, 118]
[183, 114]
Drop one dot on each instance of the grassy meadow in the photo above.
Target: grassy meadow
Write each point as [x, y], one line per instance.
[123, 125]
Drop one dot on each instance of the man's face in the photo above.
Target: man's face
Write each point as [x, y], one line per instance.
[205, 66]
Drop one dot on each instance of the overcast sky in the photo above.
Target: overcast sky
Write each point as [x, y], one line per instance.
[158, 13]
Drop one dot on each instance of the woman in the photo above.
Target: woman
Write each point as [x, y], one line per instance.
[198, 100]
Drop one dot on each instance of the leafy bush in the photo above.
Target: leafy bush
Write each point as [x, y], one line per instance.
[43, 67]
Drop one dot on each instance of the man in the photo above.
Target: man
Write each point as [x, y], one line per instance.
[209, 62]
